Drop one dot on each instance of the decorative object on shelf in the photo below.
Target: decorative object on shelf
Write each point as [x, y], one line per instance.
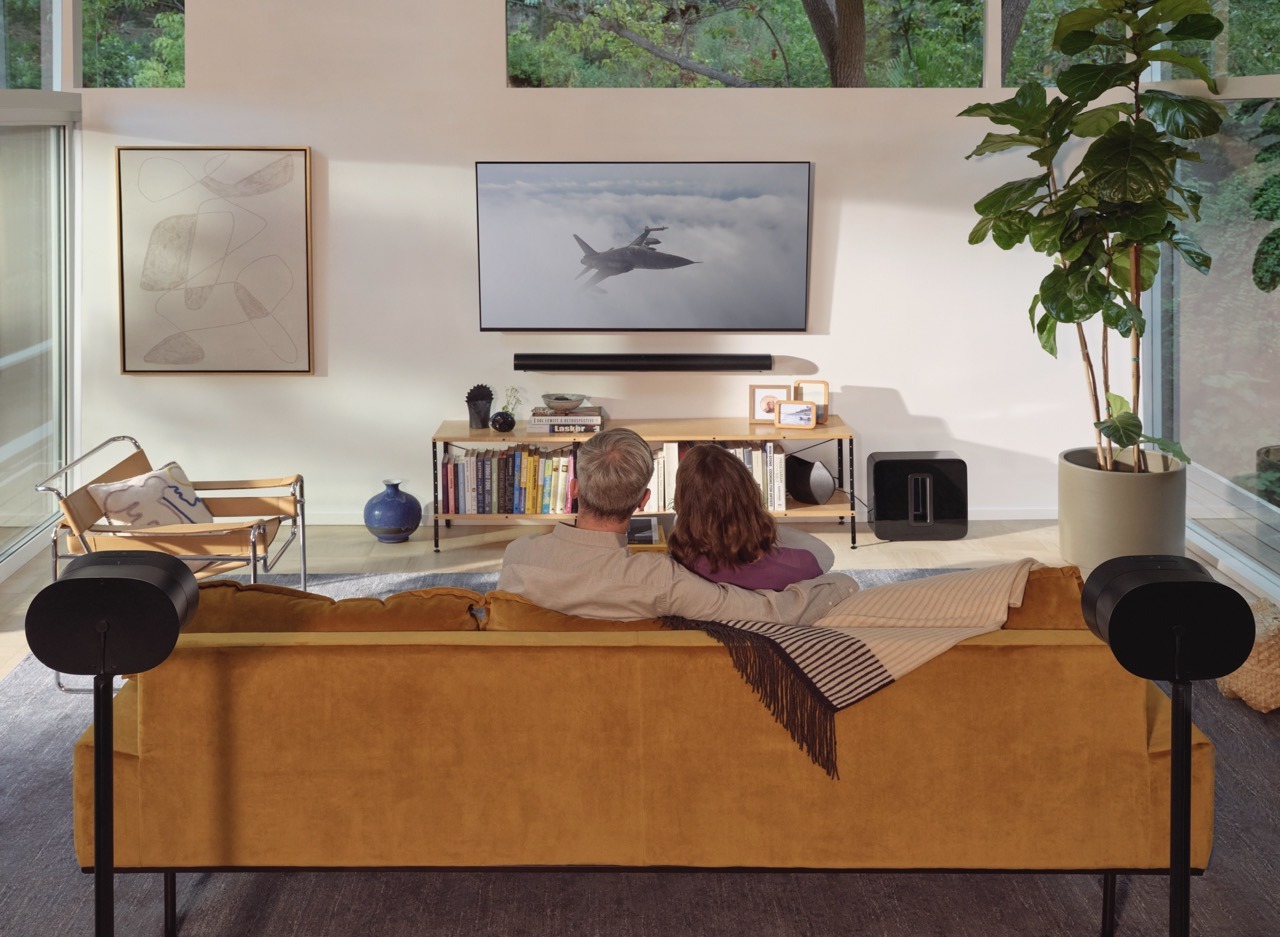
[504, 421]
[764, 400]
[479, 400]
[816, 391]
[1102, 219]
[563, 402]
[808, 482]
[795, 414]
[392, 515]
[215, 258]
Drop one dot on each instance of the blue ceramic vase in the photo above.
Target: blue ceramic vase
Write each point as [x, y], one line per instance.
[392, 515]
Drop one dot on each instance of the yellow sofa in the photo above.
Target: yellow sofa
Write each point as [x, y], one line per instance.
[290, 730]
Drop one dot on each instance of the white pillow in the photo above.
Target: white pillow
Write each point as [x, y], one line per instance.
[154, 499]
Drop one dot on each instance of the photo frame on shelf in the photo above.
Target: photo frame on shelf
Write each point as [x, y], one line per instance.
[817, 391]
[763, 401]
[796, 414]
[214, 259]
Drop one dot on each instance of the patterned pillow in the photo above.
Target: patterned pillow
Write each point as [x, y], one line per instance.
[153, 499]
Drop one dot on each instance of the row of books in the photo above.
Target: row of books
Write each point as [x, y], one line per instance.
[521, 479]
[581, 420]
[766, 460]
[526, 479]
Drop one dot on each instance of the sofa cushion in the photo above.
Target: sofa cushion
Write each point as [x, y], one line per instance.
[506, 611]
[227, 606]
[1050, 601]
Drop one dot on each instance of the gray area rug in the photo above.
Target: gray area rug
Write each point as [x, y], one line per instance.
[44, 894]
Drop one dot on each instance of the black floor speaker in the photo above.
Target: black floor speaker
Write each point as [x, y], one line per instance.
[918, 495]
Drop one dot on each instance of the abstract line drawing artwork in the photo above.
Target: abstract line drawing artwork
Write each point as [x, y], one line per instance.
[215, 259]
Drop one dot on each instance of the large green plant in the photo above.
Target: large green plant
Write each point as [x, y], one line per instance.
[1103, 221]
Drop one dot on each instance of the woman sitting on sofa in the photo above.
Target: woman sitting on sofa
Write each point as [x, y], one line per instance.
[723, 533]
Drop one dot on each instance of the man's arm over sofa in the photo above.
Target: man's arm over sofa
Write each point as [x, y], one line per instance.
[589, 574]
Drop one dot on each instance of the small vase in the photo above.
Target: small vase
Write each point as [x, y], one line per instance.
[478, 413]
[392, 515]
[502, 421]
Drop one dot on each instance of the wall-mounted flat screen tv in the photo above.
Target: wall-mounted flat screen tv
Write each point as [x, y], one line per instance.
[590, 247]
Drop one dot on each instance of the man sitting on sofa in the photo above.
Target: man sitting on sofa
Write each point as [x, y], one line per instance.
[586, 569]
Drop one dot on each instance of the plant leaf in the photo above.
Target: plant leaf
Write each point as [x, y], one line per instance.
[1072, 294]
[1009, 229]
[1138, 221]
[1124, 430]
[1189, 62]
[1025, 110]
[1128, 163]
[995, 142]
[1195, 255]
[1098, 120]
[1078, 21]
[1181, 116]
[981, 230]
[1085, 81]
[1169, 446]
[1195, 26]
[1047, 333]
[1171, 11]
[1116, 405]
[1020, 193]
[1150, 264]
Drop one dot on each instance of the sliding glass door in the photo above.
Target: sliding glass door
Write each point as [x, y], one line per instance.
[33, 324]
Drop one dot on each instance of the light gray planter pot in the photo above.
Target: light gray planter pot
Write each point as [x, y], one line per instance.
[1102, 515]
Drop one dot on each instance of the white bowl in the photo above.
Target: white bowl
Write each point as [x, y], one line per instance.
[563, 402]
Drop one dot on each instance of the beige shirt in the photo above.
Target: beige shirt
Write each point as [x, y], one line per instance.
[592, 573]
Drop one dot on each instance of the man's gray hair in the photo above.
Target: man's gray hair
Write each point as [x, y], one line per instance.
[613, 469]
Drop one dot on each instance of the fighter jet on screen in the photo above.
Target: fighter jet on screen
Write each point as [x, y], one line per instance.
[638, 255]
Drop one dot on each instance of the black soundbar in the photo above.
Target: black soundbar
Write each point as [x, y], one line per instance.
[525, 362]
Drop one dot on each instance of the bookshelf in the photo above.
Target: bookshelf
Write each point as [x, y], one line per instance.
[456, 437]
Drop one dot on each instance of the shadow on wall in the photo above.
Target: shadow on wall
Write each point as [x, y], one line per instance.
[1002, 483]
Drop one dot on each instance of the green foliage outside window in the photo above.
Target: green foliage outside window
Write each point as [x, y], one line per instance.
[127, 43]
[134, 43]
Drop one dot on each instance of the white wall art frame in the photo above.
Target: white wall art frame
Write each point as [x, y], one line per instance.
[215, 259]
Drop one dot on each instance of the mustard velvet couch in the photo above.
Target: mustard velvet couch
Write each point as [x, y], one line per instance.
[292, 730]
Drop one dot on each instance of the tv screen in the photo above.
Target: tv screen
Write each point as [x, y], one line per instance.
[643, 246]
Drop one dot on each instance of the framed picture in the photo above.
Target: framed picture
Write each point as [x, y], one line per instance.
[815, 391]
[215, 259]
[591, 247]
[764, 401]
[795, 414]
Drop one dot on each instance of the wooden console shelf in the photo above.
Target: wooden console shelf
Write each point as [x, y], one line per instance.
[458, 434]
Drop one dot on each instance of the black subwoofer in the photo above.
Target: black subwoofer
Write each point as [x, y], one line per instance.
[918, 495]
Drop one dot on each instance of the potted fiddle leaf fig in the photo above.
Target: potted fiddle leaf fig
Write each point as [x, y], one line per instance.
[1102, 202]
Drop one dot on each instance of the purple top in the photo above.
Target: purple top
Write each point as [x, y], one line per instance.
[776, 570]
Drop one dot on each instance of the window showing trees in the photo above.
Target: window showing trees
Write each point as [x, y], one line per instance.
[126, 43]
[134, 43]
[744, 43]
[21, 61]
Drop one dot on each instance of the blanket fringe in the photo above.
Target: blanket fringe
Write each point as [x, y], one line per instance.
[785, 691]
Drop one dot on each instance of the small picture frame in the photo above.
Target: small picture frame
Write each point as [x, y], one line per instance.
[764, 401]
[796, 414]
[815, 391]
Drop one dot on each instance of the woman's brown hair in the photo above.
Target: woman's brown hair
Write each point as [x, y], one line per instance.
[720, 513]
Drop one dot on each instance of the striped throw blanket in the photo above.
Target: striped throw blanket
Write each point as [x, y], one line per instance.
[805, 674]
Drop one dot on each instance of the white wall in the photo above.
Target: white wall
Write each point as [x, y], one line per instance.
[923, 338]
